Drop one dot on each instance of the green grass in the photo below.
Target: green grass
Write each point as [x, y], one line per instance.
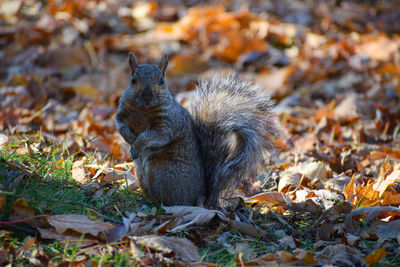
[51, 190]
[45, 182]
[42, 176]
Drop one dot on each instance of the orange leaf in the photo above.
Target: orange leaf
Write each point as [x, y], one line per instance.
[390, 199]
[349, 190]
[376, 256]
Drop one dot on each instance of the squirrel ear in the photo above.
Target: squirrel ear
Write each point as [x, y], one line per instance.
[132, 62]
[163, 64]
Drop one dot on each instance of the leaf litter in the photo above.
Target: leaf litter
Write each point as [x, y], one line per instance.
[330, 193]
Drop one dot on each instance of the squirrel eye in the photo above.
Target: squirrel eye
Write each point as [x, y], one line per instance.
[133, 80]
[162, 81]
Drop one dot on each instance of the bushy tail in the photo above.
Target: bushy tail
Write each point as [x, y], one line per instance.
[234, 121]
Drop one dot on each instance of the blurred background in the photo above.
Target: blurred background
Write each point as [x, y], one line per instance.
[332, 66]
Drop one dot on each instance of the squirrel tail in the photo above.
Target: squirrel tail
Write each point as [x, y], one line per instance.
[234, 122]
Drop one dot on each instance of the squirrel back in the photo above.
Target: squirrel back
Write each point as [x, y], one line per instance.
[233, 120]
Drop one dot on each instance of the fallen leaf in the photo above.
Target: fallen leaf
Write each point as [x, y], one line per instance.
[286, 256]
[247, 229]
[193, 216]
[376, 256]
[349, 189]
[51, 233]
[370, 213]
[287, 242]
[179, 248]
[79, 172]
[78, 223]
[307, 257]
[22, 209]
[265, 260]
[331, 250]
[385, 180]
[274, 198]
[388, 230]
[3, 140]
[2, 202]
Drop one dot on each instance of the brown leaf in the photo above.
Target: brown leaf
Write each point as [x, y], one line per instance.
[371, 213]
[2, 202]
[388, 230]
[179, 248]
[22, 209]
[79, 172]
[193, 216]
[72, 237]
[265, 260]
[275, 198]
[78, 223]
[4, 257]
[307, 257]
[247, 229]
[329, 251]
[286, 256]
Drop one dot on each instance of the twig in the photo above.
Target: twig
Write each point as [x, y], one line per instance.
[24, 219]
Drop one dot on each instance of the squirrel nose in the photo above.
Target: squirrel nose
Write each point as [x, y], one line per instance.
[147, 93]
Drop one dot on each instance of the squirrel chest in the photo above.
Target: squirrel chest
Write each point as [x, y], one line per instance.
[140, 119]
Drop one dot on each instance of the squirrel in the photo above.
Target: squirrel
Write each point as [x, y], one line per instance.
[181, 156]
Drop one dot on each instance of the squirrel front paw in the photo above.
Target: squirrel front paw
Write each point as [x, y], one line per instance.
[134, 153]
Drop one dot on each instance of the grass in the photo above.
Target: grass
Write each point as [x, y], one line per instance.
[41, 174]
[44, 180]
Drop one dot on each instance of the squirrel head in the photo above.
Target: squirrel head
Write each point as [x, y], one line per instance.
[148, 82]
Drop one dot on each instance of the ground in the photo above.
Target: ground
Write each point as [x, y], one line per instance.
[329, 192]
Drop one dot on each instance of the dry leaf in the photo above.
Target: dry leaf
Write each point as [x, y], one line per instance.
[22, 209]
[50, 233]
[384, 181]
[179, 248]
[274, 198]
[376, 256]
[193, 216]
[286, 256]
[388, 230]
[265, 260]
[306, 257]
[78, 223]
[2, 202]
[349, 189]
[247, 229]
[289, 181]
[329, 251]
[287, 242]
[79, 172]
[3, 140]
[371, 213]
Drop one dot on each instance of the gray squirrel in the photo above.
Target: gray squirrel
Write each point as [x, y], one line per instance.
[182, 157]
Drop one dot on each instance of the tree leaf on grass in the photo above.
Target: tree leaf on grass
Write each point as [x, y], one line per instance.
[193, 216]
[178, 248]
[371, 213]
[388, 230]
[375, 256]
[70, 236]
[78, 223]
